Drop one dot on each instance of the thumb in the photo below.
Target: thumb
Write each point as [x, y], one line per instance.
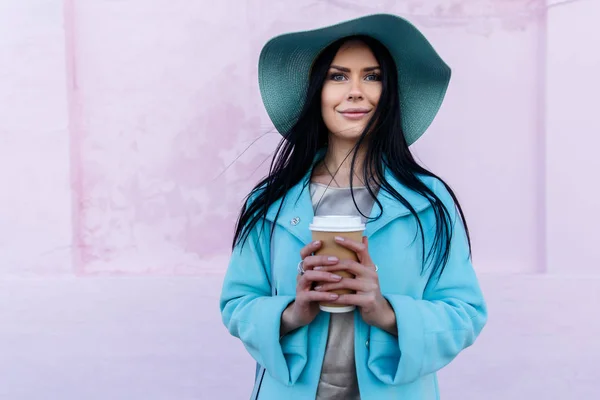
[366, 256]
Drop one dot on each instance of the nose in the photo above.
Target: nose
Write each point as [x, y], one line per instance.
[355, 93]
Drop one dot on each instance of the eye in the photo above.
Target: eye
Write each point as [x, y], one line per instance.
[336, 76]
[373, 77]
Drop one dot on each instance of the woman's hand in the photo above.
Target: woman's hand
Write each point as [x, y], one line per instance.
[305, 308]
[374, 308]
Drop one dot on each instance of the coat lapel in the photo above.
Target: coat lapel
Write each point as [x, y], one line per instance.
[297, 211]
[392, 208]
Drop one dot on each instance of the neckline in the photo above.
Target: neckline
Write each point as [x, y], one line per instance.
[337, 188]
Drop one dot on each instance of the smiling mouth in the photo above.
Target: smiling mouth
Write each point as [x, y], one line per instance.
[354, 115]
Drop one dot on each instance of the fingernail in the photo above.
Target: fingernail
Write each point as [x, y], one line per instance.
[316, 242]
[332, 259]
[336, 277]
[318, 287]
[333, 296]
[339, 238]
[318, 268]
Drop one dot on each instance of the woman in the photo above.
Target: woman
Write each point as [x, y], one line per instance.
[349, 99]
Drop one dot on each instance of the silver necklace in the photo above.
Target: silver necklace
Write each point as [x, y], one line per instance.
[333, 177]
[332, 180]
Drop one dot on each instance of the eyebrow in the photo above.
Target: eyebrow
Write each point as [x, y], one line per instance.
[343, 69]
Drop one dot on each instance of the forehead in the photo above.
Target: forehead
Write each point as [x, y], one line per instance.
[355, 52]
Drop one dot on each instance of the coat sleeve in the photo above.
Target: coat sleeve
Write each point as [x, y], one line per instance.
[432, 331]
[253, 315]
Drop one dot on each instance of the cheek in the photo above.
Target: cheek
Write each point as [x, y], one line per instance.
[329, 102]
[329, 97]
[373, 94]
[328, 115]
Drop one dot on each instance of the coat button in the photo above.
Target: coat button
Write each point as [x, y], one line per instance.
[367, 344]
[295, 221]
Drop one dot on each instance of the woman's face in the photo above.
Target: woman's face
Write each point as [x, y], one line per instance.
[351, 90]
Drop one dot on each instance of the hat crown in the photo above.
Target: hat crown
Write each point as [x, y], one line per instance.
[286, 60]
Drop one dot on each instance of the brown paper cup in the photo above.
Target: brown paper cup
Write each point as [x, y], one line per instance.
[326, 228]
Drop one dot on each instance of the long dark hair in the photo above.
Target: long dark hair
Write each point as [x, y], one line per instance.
[296, 152]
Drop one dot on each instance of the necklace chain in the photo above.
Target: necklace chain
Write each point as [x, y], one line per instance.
[333, 177]
[332, 180]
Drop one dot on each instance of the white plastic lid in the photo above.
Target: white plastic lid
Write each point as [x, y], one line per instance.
[337, 310]
[337, 223]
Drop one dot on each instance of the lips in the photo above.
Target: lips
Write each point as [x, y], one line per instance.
[355, 113]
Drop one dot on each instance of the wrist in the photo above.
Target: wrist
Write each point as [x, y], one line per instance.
[388, 319]
[287, 321]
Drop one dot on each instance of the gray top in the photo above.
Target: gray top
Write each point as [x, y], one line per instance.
[338, 376]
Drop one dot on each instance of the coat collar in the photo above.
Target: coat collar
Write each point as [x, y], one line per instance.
[297, 211]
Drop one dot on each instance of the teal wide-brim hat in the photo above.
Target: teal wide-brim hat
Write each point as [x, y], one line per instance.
[285, 64]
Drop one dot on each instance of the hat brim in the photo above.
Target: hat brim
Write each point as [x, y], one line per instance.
[285, 63]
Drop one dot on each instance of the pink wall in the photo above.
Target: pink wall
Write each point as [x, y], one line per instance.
[35, 201]
[572, 139]
[118, 118]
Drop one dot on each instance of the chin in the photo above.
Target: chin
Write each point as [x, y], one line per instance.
[349, 133]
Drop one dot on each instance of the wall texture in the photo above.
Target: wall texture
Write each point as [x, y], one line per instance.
[130, 131]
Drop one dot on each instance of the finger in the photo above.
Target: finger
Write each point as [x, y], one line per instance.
[360, 248]
[316, 261]
[310, 276]
[348, 283]
[312, 296]
[360, 300]
[355, 268]
[310, 248]
[350, 244]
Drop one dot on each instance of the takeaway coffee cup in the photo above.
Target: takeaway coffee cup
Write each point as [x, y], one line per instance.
[325, 229]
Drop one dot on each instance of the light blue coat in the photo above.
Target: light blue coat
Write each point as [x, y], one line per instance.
[436, 320]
